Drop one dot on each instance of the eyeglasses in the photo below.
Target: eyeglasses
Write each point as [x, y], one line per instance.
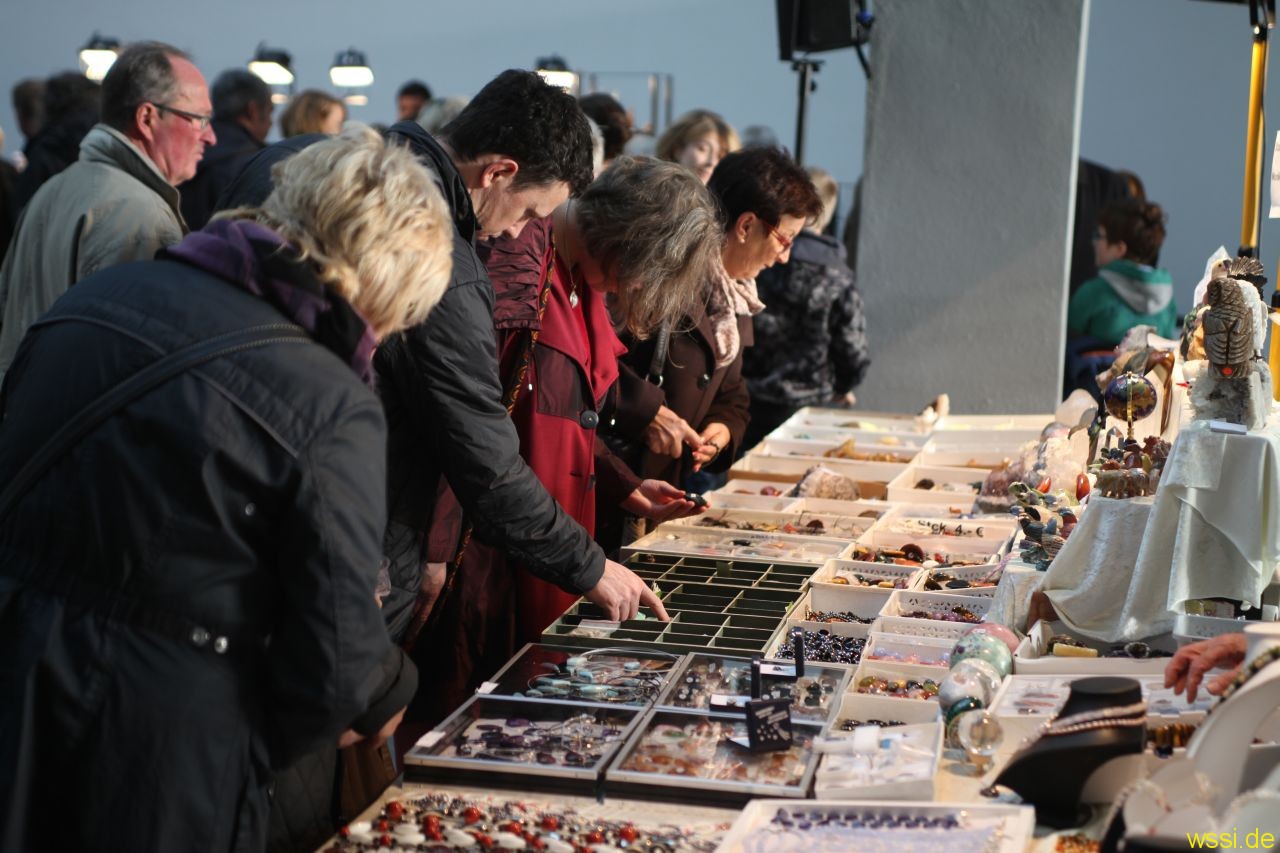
[201, 121]
[783, 240]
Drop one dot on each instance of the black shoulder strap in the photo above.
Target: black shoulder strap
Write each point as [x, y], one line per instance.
[135, 386]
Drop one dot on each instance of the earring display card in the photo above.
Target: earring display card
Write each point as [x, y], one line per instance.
[626, 676]
[706, 682]
[686, 755]
[779, 826]
[739, 544]
[510, 742]
[768, 725]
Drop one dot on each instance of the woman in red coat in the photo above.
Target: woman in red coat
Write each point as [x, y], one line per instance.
[646, 233]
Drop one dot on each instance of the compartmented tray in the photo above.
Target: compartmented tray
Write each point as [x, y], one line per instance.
[868, 708]
[687, 756]
[830, 825]
[832, 436]
[979, 458]
[953, 487]
[1025, 702]
[506, 742]
[978, 578]
[703, 617]
[727, 499]
[871, 508]
[903, 603]
[933, 521]
[847, 448]
[872, 478]
[906, 762]
[717, 683]
[929, 628]
[819, 525]
[744, 545]
[1032, 656]
[753, 488]
[995, 423]
[830, 418]
[855, 632]
[669, 570]
[625, 676]
[919, 654]
[922, 681]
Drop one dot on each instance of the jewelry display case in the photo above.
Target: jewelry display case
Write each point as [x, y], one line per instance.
[819, 525]
[708, 682]
[509, 742]
[619, 675]
[692, 756]
[747, 545]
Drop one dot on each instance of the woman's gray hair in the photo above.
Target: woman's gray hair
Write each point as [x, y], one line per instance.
[142, 74]
[656, 230]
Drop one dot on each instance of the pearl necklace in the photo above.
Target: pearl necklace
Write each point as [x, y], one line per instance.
[1125, 716]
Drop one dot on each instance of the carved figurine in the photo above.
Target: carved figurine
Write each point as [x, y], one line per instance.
[1228, 330]
[1124, 483]
[1235, 384]
[1043, 541]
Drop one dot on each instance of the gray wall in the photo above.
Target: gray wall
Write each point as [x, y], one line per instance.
[972, 121]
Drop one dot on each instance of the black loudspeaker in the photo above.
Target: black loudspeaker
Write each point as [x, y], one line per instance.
[812, 26]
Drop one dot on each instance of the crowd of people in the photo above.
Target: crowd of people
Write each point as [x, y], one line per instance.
[302, 439]
[299, 441]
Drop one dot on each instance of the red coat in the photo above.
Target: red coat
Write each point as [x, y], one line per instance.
[573, 368]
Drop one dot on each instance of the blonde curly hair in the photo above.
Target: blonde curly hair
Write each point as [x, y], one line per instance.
[370, 219]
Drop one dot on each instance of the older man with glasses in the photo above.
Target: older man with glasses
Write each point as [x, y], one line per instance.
[119, 201]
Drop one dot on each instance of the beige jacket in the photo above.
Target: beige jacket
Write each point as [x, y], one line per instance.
[109, 207]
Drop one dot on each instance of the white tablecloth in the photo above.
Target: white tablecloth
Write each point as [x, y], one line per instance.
[1213, 530]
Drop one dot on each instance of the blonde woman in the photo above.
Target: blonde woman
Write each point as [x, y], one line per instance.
[698, 140]
[312, 111]
[186, 591]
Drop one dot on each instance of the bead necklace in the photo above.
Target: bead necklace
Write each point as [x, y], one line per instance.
[1124, 716]
[1255, 666]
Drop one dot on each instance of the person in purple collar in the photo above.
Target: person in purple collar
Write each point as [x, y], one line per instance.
[187, 601]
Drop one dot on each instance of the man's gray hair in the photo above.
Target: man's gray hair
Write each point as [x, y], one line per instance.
[141, 74]
[235, 90]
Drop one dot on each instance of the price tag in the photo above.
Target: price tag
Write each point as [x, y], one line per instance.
[430, 739]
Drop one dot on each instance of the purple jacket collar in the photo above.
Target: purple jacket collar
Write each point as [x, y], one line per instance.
[259, 260]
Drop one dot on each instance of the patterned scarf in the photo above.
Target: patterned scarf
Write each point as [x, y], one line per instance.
[257, 259]
[727, 299]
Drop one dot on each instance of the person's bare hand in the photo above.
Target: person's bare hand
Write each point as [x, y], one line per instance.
[620, 593]
[660, 501]
[1188, 667]
[667, 434]
[714, 439]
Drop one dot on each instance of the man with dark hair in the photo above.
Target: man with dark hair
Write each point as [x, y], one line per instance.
[411, 98]
[516, 152]
[70, 112]
[28, 106]
[242, 111]
[119, 201]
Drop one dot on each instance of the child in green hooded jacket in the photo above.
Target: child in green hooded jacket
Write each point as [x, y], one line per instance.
[1129, 289]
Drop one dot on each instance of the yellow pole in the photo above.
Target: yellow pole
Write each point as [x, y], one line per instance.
[1254, 144]
[1273, 349]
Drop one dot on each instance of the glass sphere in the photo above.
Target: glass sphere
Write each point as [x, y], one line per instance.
[965, 684]
[985, 647]
[979, 732]
[997, 630]
[983, 670]
[1129, 397]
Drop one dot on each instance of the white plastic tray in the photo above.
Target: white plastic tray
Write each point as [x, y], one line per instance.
[748, 834]
[903, 487]
[830, 783]
[1032, 659]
